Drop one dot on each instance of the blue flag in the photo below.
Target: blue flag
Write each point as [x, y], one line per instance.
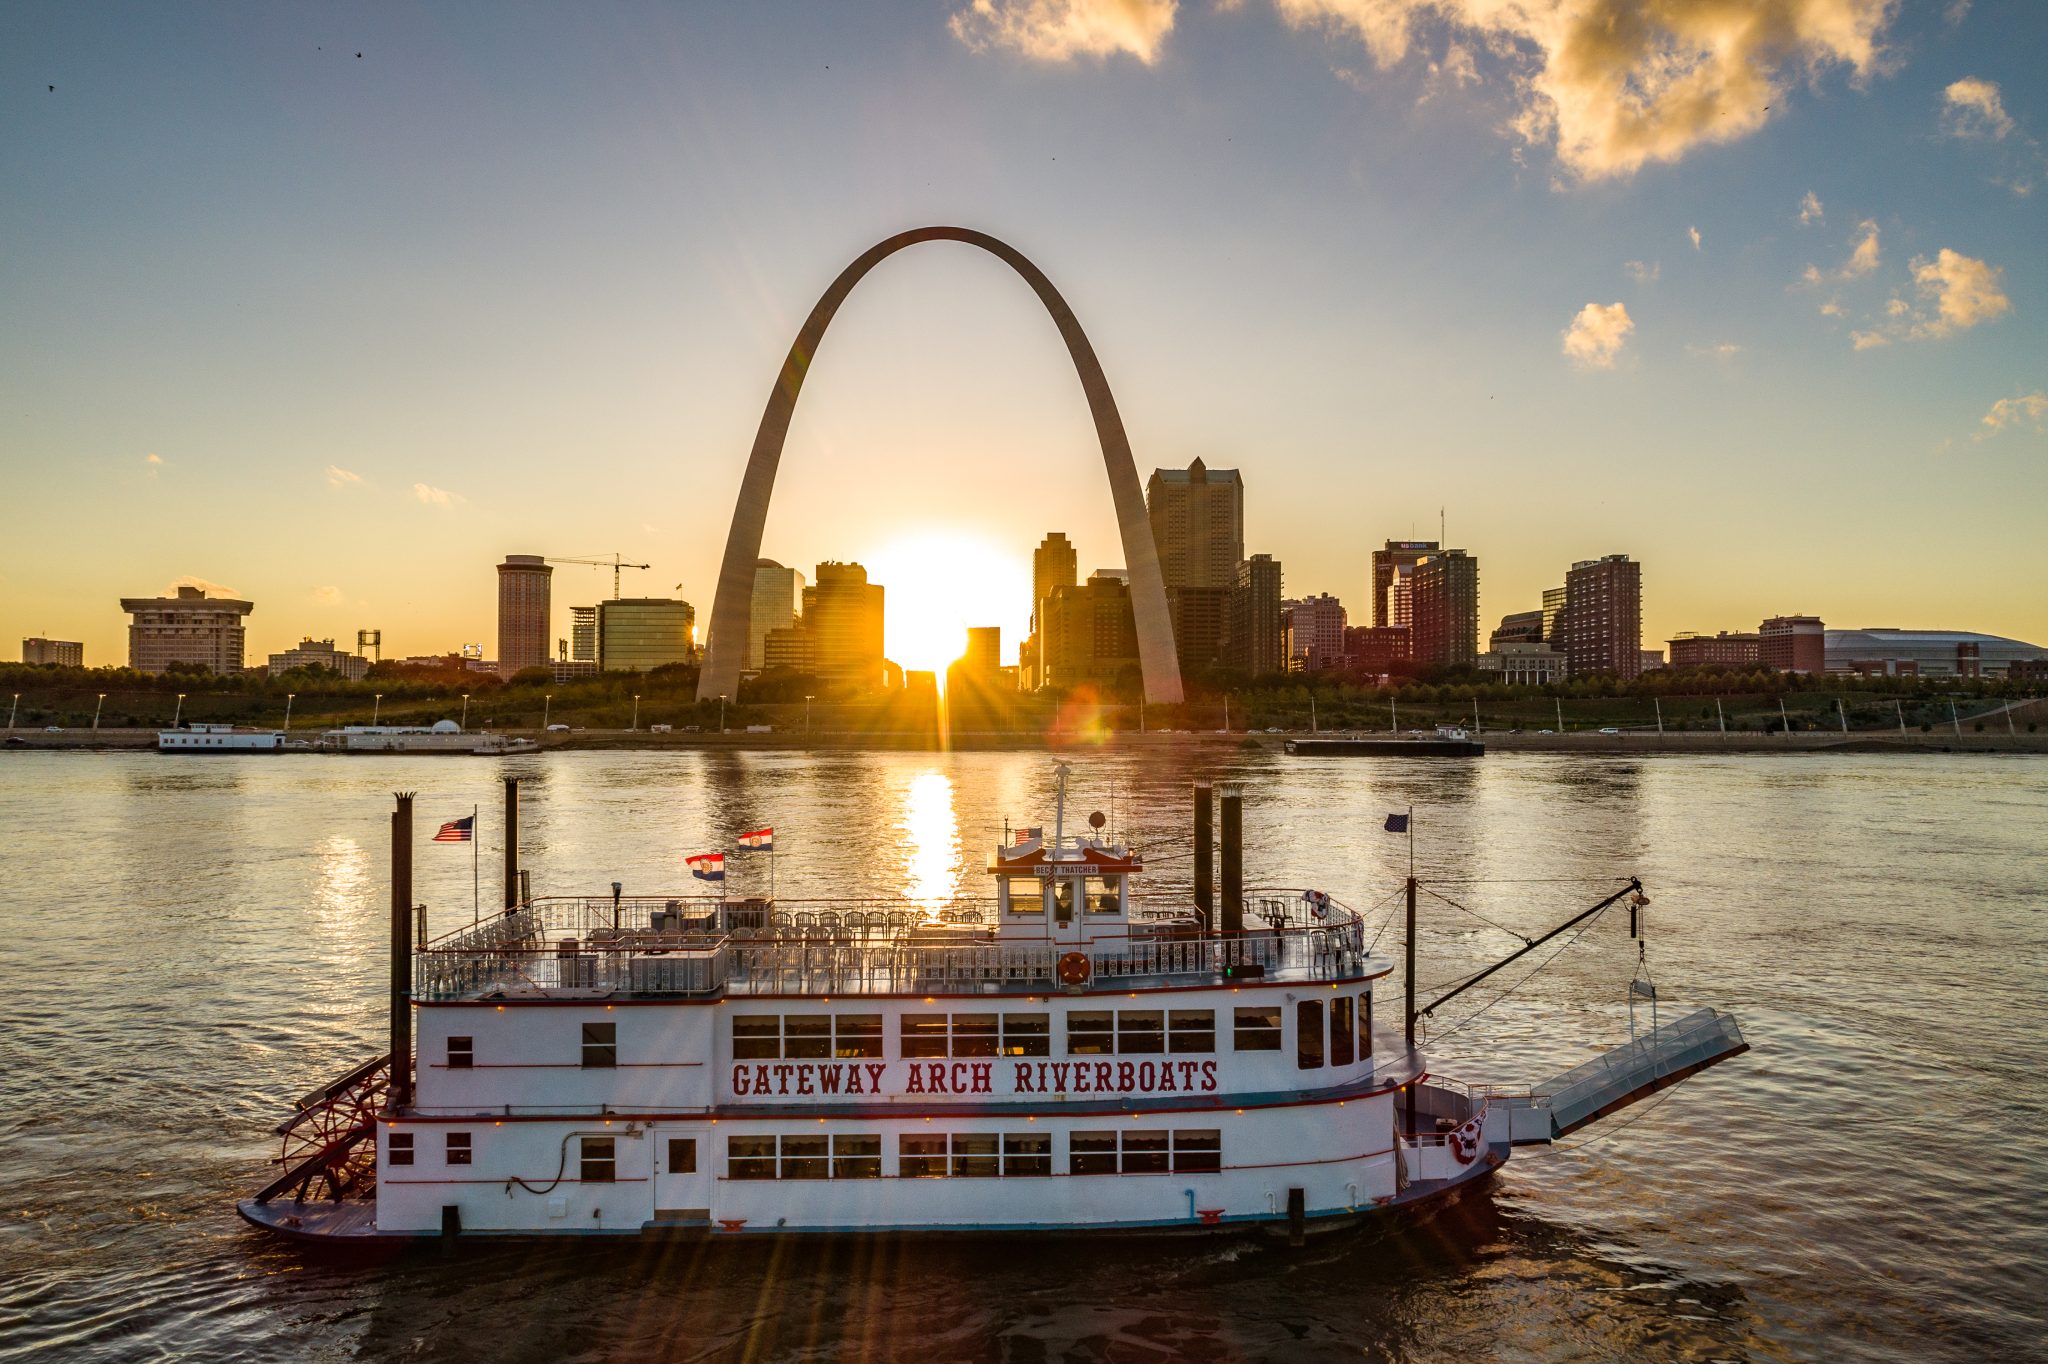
[1397, 824]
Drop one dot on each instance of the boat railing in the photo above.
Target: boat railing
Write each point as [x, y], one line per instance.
[1697, 1035]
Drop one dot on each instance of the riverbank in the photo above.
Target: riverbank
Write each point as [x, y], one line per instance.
[1627, 742]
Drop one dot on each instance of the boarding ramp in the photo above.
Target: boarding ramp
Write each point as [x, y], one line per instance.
[1613, 1080]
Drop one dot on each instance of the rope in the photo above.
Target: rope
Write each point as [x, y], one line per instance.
[1614, 1131]
[1467, 1022]
[1474, 913]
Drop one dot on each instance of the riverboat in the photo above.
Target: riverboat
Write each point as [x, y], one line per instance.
[1068, 1055]
[443, 736]
[219, 739]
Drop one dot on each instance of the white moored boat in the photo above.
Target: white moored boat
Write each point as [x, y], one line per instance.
[1072, 1056]
[219, 739]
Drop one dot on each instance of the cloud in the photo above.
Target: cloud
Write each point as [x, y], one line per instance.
[210, 588]
[1596, 335]
[1864, 258]
[1810, 210]
[435, 497]
[153, 460]
[338, 477]
[1693, 235]
[1831, 308]
[1973, 108]
[1058, 30]
[1641, 273]
[1619, 84]
[328, 596]
[1964, 292]
[1725, 350]
[2029, 409]
[1456, 71]
[1869, 340]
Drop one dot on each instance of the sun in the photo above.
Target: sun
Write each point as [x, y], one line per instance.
[939, 582]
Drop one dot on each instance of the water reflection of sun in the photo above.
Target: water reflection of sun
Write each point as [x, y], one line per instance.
[931, 833]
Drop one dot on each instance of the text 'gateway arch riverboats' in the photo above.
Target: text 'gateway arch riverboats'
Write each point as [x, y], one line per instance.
[1070, 1056]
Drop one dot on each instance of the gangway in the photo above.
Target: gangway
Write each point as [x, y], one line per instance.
[1630, 1072]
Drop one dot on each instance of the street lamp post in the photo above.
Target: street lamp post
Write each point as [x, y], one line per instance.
[13, 706]
[178, 712]
[377, 707]
[636, 711]
[721, 712]
[288, 699]
[807, 716]
[465, 711]
[103, 700]
[546, 702]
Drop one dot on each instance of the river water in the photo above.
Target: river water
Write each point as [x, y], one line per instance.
[191, 942]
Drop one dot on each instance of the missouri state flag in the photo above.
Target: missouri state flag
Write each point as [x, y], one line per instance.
[707, 866]
[761, 840]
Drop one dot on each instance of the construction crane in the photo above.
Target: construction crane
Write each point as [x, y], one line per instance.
[615, 563]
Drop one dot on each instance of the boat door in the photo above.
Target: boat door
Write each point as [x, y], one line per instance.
[682, 1174]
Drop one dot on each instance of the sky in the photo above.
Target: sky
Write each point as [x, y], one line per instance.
[335, 306]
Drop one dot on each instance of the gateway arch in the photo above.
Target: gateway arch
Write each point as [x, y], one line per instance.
[725, 649]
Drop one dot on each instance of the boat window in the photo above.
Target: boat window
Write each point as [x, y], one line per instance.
[1258, 1028]
[1091, 1153]
[1140, 1032]
[1026, 1154]
[975, 1155]
[597, 1160]
[1191, 1030]
[1027, 895]
[857, 1035]
[457, 1151]
[1365, 1025]
[1145, 1153]
[756, 1037]
[461, 1053]
[750, 1157]
[682, 1155]
[807, 1037]
[1101, 892]
[924, 1035]
[1342, 1049]
[1027, 1034]
[857, 1157]
[1091, 1033]
[398, 1148]
[1308, 1034]
[974, 1035]
[1063, 897]
[600, 1046]
[1196, 1152]
[805, 1157]
[918, 1157]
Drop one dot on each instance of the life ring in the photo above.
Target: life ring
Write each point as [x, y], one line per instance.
[1074, 969]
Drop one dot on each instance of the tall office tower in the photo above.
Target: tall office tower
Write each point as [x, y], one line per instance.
[777, 593]
[583, 634]
[1793, 644]
[983, 656]
[1553, 608]
[1517, 627]
[1388, 567]
[1197, 517]
[1053, 565]
[189, 627]
[523, 613]
[1087, 633]
[1252, 641]
[842, 626]
[1723, 650]
[1602, 622]
[1446, 609]
[1375, 648]
[640, 634]
[1314, 628]
[65, 653]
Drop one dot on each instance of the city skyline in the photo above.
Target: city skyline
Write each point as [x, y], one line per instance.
[1745, 358]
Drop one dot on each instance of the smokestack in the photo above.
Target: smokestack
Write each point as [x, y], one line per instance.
[401, 951]
[1233, 859]
[511, 841]
[1205, 854]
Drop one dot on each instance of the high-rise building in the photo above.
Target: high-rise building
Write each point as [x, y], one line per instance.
[1087, 633]
[1053, 565]
[1518, 627]
[639, 634]
[1724, 650]
[1553, 607]
[778, 591]
[1602, 621]
[1197, 517]
[1375, 648]
[1446, 609]
[523, 613]
[320, 653]
[583, 634]
[842, 626]
[1252, 642]
[1314, 629]
[65, 653]
[1388, 567]
[190, 627]
[1793, 644]
[984, 652]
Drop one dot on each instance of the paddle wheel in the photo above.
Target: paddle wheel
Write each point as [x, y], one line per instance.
[330, 1142]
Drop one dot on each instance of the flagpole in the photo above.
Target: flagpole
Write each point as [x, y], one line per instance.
[476, 912]
[1411, 842]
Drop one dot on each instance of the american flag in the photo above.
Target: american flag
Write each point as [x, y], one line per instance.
[1036, 831]
[707, 866]
[457, 830]
[761, 840]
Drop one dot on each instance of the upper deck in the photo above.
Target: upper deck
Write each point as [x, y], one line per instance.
[686, 947]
